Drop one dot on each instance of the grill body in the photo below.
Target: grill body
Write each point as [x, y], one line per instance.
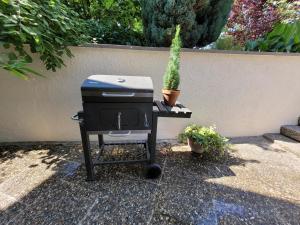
[119, 106]
[117, 103]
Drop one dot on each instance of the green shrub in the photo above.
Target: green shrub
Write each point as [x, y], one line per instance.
[111, 21]
[171, 77]
[213, 144]
[48, 27]
[226, 42]
[201, 20]
[108, 32]
[285, 37]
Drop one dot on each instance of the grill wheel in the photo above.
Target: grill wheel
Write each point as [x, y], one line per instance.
[153, 171]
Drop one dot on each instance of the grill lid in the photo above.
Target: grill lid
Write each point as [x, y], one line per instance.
[117, 88]
[116, 83]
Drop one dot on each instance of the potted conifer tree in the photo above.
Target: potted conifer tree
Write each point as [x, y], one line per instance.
[171, 77]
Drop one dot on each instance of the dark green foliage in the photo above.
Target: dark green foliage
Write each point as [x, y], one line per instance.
[82, 7]
[111, 21]
[285, 37]
[201, 20]
[48, 27]
[171, 77]
[109, 32]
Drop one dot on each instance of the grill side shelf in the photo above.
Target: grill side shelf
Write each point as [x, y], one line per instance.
[160, 106]
[178, 110]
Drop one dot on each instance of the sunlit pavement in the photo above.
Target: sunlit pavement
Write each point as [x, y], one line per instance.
[258, 182]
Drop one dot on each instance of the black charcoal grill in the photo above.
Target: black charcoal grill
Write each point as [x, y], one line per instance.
[117, 103]
[121, 106]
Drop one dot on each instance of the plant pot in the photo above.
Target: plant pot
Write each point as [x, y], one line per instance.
[195, 147]
[170, 96]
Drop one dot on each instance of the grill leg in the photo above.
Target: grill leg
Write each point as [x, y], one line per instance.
[152, 138]
[87, 153]
[100, 140]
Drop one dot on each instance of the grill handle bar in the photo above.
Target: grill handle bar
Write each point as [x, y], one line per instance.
[111, 133]
[78, 116]
[110, 94]
[75, 117]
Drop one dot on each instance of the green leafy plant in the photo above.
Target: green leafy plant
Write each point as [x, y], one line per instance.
[37, 26]
[171, 76]
[213, 144]
[201, 20]
[285, 37]
[111, 21]
[226, 42]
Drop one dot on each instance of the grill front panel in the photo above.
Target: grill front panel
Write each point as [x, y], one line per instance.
[117, 116]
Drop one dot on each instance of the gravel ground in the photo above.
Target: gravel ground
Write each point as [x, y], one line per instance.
[258, 182]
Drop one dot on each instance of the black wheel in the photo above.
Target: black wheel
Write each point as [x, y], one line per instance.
[153, 171]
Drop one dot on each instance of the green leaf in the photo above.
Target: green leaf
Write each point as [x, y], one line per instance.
[28, 30]
[28, 59]
[69, 53]
[283, 38]
[33, 71]
[18, 73]
[108, 3]
[12, 56]
[6, 45]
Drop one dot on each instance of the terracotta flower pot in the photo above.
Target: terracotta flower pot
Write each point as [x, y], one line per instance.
[170, 96]
[195, 147]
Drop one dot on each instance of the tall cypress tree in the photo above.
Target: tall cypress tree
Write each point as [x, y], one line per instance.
[201, 20]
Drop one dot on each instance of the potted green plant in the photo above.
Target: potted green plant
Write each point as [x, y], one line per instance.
[171, 77]
[205, 141]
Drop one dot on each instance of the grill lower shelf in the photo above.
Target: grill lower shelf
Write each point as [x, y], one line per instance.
[123, 152]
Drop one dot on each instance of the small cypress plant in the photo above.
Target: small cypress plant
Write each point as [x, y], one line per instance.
[171, 76]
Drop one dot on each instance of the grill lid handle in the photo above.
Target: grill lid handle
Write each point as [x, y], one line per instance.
[121, 80]
[113, 94]
[119, 120]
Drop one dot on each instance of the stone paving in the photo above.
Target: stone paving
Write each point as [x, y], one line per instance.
[258, 182]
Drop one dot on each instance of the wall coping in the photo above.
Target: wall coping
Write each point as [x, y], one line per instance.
[194, 50]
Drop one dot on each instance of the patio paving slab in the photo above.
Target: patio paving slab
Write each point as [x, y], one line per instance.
[9, 208]
[285, 143]
[258, 182]
[277, 168]
[20, 185]
[56, 202]
[20, 162]
[129, 203]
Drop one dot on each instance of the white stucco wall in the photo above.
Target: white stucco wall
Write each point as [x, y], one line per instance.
[242, 94]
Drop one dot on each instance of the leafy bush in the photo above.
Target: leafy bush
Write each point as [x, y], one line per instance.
[251, 19]
[288, 10]
[108, 32]
[213, 144]
[171, 77]
[111, 21]
[283, 38]
[201, 20]
[226, 42]
[48, 27]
